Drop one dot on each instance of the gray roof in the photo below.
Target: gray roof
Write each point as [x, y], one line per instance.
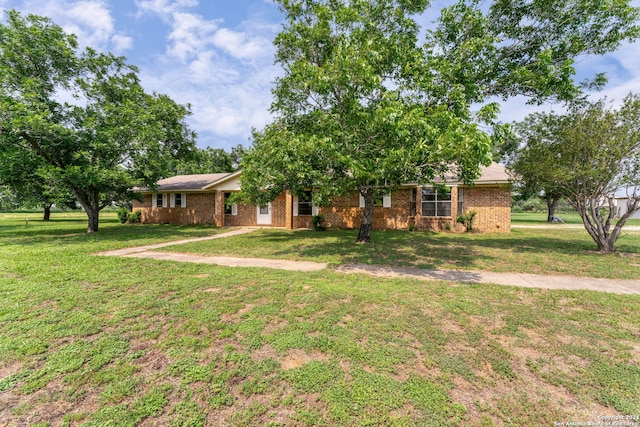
[188, 182]
[492, 174]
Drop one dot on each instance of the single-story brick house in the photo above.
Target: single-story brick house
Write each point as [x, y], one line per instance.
[200, 199]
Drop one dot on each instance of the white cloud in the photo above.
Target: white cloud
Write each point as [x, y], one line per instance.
[190, 35]
[241, 46]
[121, 43]
[90, 20]
[164, 7]
[224, 73]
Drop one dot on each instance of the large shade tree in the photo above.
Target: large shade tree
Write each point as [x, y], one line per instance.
[84, 114]
[19, 171]
[592, 153]
[365, 105]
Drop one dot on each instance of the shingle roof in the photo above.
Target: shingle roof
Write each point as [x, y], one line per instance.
[493, 173]
[189, 182]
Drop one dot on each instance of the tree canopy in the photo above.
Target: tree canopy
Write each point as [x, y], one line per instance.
[210, 160]
[365, 105]
[588, 156]
[84, 114]
[19, 170]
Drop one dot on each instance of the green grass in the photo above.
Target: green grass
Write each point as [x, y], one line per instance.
[93, 341]
[540, 218]
[535, 251]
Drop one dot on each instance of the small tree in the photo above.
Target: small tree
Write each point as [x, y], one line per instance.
[532, 165]
[593, 152]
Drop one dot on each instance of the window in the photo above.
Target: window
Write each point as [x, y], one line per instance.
[384, 201]
[159, 199]
[305, 206]
[436, 202]
[227, 206]
[178, 200]
[460, 200]
[229, 209]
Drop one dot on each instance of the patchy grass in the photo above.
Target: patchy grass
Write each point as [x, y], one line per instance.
[536, 251]
[94, 341]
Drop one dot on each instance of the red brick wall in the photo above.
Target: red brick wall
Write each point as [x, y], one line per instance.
[345, 212]
[279, 211]
[493, 205]
[248, 214]
[199, 210]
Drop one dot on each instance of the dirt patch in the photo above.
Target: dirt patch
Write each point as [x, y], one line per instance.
[152, 361]
[202, 276]
[297, 358]
[48, 405]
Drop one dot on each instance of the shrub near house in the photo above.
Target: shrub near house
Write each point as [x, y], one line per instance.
[203, 199]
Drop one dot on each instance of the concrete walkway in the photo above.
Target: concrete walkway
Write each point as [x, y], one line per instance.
[128, 251]
[568, 226]
[146, 252]
[617, 286]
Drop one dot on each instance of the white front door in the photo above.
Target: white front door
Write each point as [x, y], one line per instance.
[264, 215]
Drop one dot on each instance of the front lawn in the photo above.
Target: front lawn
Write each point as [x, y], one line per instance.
[537, 251]
[95, 341]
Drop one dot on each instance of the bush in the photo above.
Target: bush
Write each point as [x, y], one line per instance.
[467, 220]
[317, 221]
[134, 217]
[123, 214]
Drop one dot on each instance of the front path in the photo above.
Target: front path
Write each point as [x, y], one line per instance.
[617, 286]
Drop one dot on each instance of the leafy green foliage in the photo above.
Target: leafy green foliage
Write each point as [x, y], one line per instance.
[210, 160]
[466, 219]
[113, 137]
[587, 156]
[364, 106]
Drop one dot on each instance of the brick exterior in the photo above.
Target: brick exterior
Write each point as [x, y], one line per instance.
[492, 204]
[199, 210]
[345, 212]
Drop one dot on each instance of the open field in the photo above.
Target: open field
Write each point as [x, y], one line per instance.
[95, 341]
[540, 218]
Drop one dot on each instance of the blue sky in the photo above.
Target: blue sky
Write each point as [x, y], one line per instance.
[217, 55]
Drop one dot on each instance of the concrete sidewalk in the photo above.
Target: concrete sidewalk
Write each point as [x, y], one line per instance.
[616, 286]
[136, 249]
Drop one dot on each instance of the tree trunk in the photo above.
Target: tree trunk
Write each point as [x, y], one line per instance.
[93, 219]
[47, 213]
[552, 204]
[366, 225]
[91, 208]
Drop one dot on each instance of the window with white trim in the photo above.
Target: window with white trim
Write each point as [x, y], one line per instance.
[384, 201]
[178, 201]
[159, 200]
[436, 202]
[305, 204]
[460, 200]
[229, 209]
